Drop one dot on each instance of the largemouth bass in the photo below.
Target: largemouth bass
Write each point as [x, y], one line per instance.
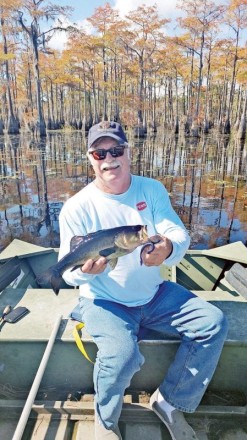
[109, 243]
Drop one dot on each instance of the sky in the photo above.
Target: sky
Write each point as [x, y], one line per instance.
[85, 8]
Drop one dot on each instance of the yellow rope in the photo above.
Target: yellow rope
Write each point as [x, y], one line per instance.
[79, 341]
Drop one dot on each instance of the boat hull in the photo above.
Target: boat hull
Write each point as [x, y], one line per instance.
[63, 408]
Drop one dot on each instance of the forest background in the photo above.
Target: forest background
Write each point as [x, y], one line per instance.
[127, 69]
[174, 74]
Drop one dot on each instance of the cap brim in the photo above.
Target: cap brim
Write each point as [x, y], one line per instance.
[111, 135]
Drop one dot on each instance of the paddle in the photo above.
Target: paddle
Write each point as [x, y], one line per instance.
[5, 312]
[13, 315]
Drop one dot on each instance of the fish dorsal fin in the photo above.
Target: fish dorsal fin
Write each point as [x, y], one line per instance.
[76, 241]
[79, 239]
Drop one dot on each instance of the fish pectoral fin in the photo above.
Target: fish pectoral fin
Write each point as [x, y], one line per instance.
[76, 267]
[106, 252]
[113, 263]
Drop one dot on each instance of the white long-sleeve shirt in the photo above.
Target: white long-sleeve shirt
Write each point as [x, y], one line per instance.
[146, 202]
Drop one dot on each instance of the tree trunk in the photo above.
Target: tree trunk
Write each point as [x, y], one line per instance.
[40, 123]
[206, 124]
[1, 127]
[227, 125]
[13, 123]
[242, 125]
[105, 79]
[199, 77]
[140, 94]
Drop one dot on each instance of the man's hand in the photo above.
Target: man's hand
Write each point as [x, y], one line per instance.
[161, 251]
[94, 267]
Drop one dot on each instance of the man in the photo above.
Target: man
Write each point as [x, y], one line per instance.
[115, 303]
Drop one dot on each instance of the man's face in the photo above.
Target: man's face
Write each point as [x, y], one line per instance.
[112, 173]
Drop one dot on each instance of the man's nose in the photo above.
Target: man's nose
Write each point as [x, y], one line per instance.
[108, 154]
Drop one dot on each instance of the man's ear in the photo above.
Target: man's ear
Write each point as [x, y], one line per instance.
[89, 158]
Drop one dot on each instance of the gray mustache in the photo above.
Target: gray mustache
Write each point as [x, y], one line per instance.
[110, 164]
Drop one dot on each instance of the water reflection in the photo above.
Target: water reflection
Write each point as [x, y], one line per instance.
[206, 179]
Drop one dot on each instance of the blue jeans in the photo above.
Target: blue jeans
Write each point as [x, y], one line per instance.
[173, 311]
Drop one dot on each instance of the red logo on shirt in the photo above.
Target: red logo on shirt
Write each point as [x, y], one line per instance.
[141, 205]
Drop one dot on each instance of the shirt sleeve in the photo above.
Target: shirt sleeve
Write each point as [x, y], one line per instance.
[168, 223]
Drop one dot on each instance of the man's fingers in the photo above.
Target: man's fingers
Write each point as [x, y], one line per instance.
[94, 267]
[162, 250]
[100, 264]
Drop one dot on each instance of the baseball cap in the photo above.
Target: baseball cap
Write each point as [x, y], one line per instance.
[106, 129]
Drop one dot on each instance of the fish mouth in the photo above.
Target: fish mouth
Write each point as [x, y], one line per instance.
[143, 234]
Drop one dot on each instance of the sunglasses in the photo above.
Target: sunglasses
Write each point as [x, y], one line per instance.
[100, 153]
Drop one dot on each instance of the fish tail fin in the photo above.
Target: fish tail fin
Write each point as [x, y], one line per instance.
[50, 277]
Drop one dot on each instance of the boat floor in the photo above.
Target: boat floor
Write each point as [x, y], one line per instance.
[74, 420]
[64, 407]
[222, 415]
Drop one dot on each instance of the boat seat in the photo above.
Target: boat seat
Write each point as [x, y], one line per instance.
[237, 277]
[9, 271]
